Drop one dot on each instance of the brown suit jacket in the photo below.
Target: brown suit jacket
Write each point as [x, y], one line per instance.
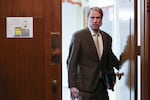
[83, 62]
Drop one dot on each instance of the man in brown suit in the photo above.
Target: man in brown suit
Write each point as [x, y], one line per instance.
[90, 70]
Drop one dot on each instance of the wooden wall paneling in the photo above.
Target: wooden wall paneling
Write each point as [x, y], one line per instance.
[53, 25]
[145, 54]
[148, 43]
[26, 72]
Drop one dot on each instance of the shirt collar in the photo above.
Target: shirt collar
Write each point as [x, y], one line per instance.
[91, 31]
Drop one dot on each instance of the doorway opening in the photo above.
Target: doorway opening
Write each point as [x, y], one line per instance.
[118, 21]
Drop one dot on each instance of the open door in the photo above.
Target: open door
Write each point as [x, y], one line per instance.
[126, 29]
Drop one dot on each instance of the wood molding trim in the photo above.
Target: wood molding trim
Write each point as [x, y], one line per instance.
[145, 48]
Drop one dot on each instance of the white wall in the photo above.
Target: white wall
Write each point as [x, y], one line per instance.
[72, 21]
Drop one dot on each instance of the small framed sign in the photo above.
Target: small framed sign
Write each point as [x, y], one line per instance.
[19, 27]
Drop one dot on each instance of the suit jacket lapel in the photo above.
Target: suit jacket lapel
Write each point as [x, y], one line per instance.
[91, 42]
[105, 42]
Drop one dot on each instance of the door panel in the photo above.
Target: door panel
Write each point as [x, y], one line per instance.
[26, 72]
[126, 88]
[22, 66]
[145, 50]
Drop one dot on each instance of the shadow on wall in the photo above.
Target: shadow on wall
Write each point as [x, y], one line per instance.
[128, 55]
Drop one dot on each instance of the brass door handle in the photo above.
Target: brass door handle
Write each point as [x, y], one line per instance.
[54, 85]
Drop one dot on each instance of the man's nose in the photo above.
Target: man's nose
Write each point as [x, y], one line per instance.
[95, 19]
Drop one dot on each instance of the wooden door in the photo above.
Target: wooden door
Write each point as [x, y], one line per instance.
[145, 51]
[27, 71]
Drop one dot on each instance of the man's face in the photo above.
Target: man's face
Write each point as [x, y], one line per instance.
[94, 20]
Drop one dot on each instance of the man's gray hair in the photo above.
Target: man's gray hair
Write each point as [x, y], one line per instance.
[96, 9]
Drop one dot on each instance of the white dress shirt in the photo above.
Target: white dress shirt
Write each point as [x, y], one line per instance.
[99, 39]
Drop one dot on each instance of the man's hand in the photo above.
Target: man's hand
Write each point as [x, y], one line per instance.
[74, 92]
[111, 86]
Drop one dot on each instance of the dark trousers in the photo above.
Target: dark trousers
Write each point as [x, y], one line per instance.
[99, 94]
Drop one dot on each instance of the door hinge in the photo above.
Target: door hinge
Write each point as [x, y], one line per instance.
[138, 50]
